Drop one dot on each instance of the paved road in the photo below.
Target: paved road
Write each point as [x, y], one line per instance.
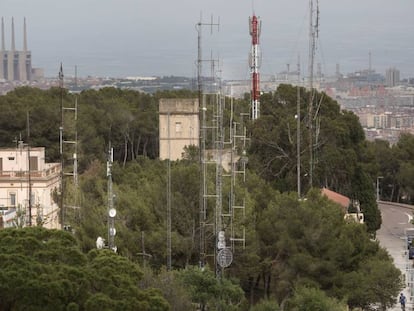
[395, 219]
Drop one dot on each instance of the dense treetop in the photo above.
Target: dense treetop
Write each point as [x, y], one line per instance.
[45, 270]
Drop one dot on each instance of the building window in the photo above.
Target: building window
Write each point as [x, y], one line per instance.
[33, 164]
[12, 197]
[11, 158]
[178, 128]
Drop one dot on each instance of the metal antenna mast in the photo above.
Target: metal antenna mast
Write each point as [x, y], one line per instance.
[219, 146]
[202, 143]
[29, 170]
[169, 196]
[62, 174]
[313, 34]
[28, 210]
[68, 150]
[298, 132]
[237, 137]
[199, 26]
[214, 222]
[111, 209]
[255, 26]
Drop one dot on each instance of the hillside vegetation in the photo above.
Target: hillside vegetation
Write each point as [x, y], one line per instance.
[298, 252]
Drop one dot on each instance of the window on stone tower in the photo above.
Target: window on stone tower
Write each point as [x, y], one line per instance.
[178, 128]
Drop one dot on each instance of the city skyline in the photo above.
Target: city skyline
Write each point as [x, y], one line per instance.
[159, 38]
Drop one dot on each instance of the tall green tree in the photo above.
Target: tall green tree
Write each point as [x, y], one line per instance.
[337, 141]
[362, 190]
[45, 270]
[313, 299]
[210, 292]
[307, 243]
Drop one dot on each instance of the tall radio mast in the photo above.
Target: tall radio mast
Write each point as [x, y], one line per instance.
[255, 26]
[313, 34]
[204, 195]
[68, 142]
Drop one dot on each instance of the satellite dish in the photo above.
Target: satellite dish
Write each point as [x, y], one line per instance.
[100, 243]
[112, 231]
[221, 240]
[112, 212]
[224, 257]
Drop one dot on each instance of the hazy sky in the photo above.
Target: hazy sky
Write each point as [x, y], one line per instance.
[158, 37]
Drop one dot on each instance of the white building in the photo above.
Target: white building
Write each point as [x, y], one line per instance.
[24, 171]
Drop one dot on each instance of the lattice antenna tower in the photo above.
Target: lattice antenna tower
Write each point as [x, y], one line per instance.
[203, 161]
[227, 227]
[298, 134]
[239, 160]
[255, 26]
[223, 227]
[313, 35]
[215, 223]
[220, 242]
[68, 141]
[111, 208]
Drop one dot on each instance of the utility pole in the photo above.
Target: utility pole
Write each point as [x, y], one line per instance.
[378, 179]
[169, 196]
[298, 133]
[21, 146]
[143, 253]
[29, 171]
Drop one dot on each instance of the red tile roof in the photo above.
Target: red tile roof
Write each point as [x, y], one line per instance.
[337, 198]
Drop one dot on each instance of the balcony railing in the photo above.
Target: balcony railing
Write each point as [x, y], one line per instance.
[51, 171]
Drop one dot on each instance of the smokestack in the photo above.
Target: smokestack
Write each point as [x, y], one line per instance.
[24, 36]
[3, 44]
[13, 46]
[369, 62]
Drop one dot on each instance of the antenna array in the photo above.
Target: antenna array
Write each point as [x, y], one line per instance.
[216, 222]
[205, 222]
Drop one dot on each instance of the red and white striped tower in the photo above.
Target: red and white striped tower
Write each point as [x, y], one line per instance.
[254, 62]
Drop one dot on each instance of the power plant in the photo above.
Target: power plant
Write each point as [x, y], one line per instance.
[16, 65]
